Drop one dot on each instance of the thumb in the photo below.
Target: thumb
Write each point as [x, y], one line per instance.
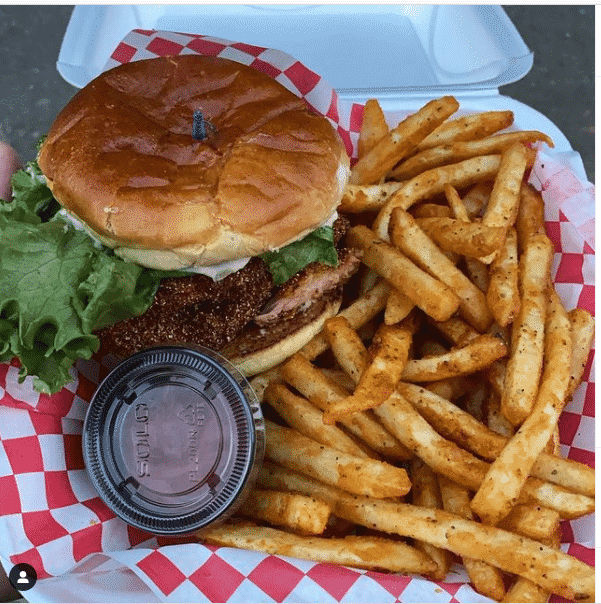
[9, 163]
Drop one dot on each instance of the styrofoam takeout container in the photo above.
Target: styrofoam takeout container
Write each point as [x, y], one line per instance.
[403, 55]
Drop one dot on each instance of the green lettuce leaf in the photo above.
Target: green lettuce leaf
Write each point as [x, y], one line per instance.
[32, 201]
[57, 287]
[318, 246]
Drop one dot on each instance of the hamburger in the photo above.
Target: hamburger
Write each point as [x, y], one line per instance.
[231, 226]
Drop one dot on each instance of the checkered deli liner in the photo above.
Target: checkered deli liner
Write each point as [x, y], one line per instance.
[51, 517]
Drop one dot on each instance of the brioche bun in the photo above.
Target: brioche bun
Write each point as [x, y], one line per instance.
[121, 159]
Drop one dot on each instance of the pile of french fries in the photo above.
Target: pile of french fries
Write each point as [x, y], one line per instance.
[420, 428]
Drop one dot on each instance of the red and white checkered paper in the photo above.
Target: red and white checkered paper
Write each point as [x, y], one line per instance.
[51, 517]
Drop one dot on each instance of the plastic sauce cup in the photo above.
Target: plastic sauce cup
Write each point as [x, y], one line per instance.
[173, 439]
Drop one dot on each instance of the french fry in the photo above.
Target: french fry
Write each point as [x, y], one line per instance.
[503, 296]
[428, 293]
[524, 590]
[476, 198]
[524, 364]
[379, 378]
[504, 199]
[486, 579]
[367, 198]
[291, 449]
[477, 271]
[467, 127]
[447, 458]
[305, 417]
[456, 331]
[373, 127]
[534, 522]
[530, 218]
[259, 382]
[460, 151]
[298, 513]
[360, 312]
[507, 475]
[438, 316]
[583, 333]
[375, 553]
[430, 210]
[398, 307]
[549, 568]
[408, 237]
[463, 429]
[450, 388]
[456, 204]
[471, 239]
[555, 571]
[426, 493]
[401, 140]
[310, 381]
[494, 418]
[347, 347]
[431, 182]
[339, 377]
[474, 356]
[496, 378]
[368, 279]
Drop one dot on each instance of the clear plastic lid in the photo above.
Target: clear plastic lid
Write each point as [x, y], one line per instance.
[173, 439]
[383, 50]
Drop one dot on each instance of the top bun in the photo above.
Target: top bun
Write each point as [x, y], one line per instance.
[121, 158]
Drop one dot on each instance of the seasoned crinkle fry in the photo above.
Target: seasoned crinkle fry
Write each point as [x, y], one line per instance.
[465, 430]
[525, 362]
[531, 215]
[373, 127]
[472, 239]
[502, 207]
[291, 449]
[507, 475]
[426, 493]
[296, 512]
[583, 334]
[551, 569]
[375, 553]
[467, 127]
[431, 295]
[503, 296]
[456, 203]
[407, 236]
[447, 154]
[474, 356]
[365, 198]
[380, 376]
[305, 417]
[401, 140]
[454, 302]
[430, 183]
[486, 579]
[311, 382]
[398, 307]
[347, 347]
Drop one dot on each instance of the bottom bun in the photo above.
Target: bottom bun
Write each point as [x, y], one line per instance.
[251, 357]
